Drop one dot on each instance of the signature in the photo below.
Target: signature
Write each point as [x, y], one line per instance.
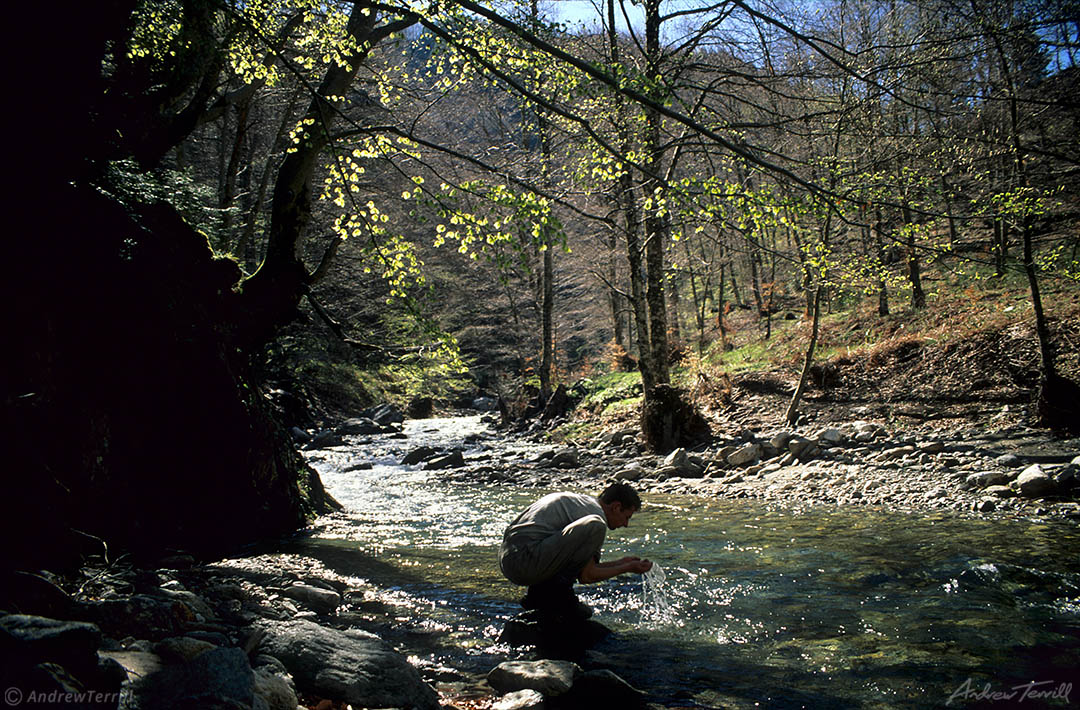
[1033, 690]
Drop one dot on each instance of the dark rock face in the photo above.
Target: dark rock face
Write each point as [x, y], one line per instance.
[129, 406]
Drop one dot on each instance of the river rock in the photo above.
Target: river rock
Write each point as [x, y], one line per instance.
[895, 453]
[189, 600]
[485, 404]
[325, 440]
[1034, 483]
[139, 615]
[632, 471]
[983, 479]
[27, 641]
[616, 439]
[680, 464]
[455, 459]
[829, 437]
[554, 638]
[221, 678]
[936, 493]
[798, 444]
[181, 649]
[665, 472]
[677, 458]
[1008, 460]
[780, 440]
[527, 699]
[324, 601]
[347, 666]
[864, 432]
[999, 491]
[383, 415]
[551, 678]
[1067, 476]
[275, 690]
[420, 453]
[745, 454]
[565, 458]
[357, 426]
[603, 689]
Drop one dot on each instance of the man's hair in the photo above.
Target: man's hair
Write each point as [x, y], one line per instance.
[622, 493]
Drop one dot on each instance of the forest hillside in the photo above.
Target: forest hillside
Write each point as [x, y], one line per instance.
[241, 218]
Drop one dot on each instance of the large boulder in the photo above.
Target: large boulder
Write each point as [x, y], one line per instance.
[1033, 482]
[346, 666]
[42, 638]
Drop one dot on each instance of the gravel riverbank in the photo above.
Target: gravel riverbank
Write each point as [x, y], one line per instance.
[1016, 471]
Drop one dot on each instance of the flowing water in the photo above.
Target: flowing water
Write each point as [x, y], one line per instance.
[751, 606]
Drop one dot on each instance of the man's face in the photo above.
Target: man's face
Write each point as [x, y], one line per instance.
[619, 517]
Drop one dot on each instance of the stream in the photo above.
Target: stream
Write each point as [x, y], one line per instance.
[823, 607]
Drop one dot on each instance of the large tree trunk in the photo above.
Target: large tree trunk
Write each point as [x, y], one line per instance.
[271, 295]
[656, 223]
[632, 224]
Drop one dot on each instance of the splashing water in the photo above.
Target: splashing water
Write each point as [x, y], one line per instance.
[656, 607]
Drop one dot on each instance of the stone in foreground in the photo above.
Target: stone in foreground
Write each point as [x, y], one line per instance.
[347, 666]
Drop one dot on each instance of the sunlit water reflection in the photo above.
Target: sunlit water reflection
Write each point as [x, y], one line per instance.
[826, 607]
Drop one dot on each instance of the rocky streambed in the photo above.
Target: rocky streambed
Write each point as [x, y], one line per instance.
[290, 625]
[1015, 471]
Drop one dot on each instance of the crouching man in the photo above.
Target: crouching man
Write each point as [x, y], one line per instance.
[557, 540]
